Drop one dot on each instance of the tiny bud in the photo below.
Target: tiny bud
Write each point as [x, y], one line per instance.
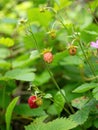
[52, 34]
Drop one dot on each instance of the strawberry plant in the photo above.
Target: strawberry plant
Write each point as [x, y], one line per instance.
[49, 65]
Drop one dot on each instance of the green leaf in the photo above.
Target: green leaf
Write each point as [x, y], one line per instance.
[91, 32]
[34, 54]
[20, 74]
[24, 109]
[4, 53]
[58, 124]
[95, 93]
[96, 122]
[42, 78]
[6, 41]
[35, 15]
[9, 112]
[48, 95]
[59, 101]
[80, 102]
[69, 61]
[82, 115]
[58, 57]
[52, 110]
[85, 87]
[4, 64]
[61, 4]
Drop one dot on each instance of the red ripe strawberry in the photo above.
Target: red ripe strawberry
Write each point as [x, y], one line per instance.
[48, 57]
[32, 101]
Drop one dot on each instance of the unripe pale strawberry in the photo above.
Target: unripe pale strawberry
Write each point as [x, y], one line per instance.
[48, 57]
[32, 101]
[53, 34]
[39, 101]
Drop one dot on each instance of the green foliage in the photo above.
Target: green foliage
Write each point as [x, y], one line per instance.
[6, 41]
[26, 29]
[4, 64]
[60, 123]
[20, 74]
[95, 93]
[59, 101]
[9, 111]
[80, 102]
[4, 53]
[82, 115]
[42, 78]
[24, 110]
[34, 15]
[85, 87]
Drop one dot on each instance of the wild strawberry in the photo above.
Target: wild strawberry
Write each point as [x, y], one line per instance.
[72, 50]
[32, 101]
[52, 33]
[39, 102]
[48, 57]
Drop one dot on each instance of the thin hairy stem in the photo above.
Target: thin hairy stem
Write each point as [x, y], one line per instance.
[89, 63]
[51, 75]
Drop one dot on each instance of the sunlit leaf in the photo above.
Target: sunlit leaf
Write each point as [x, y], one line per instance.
[6, 41]
[9, 112]
[85, 87]
[20, 74]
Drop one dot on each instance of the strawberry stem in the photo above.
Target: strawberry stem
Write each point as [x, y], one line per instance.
[52, 77]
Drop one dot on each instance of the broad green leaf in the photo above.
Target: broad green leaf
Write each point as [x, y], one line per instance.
[58, 57]
[34, 54]
[85, 87]
[96, 123]
[23, 63]
[48, 95]
[59, 101]
[20, 74]
[4, 64]
[6, 41]
[69, 61]
[35, 15]
[61, 4]
[58, 124]
[24, 109]
[29, 40]
[42, 78]
[9, 112]
[91, 32]
[95, 93]
[80, 102]
[68, 91]
[24, 60]
[82, 115]
[4, 53]
[51, 110]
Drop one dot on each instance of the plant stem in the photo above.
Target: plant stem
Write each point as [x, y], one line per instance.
[52, 77]
[90, 65]
[3, 96]
[54, 81]
[92, 13]
[63, 108]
